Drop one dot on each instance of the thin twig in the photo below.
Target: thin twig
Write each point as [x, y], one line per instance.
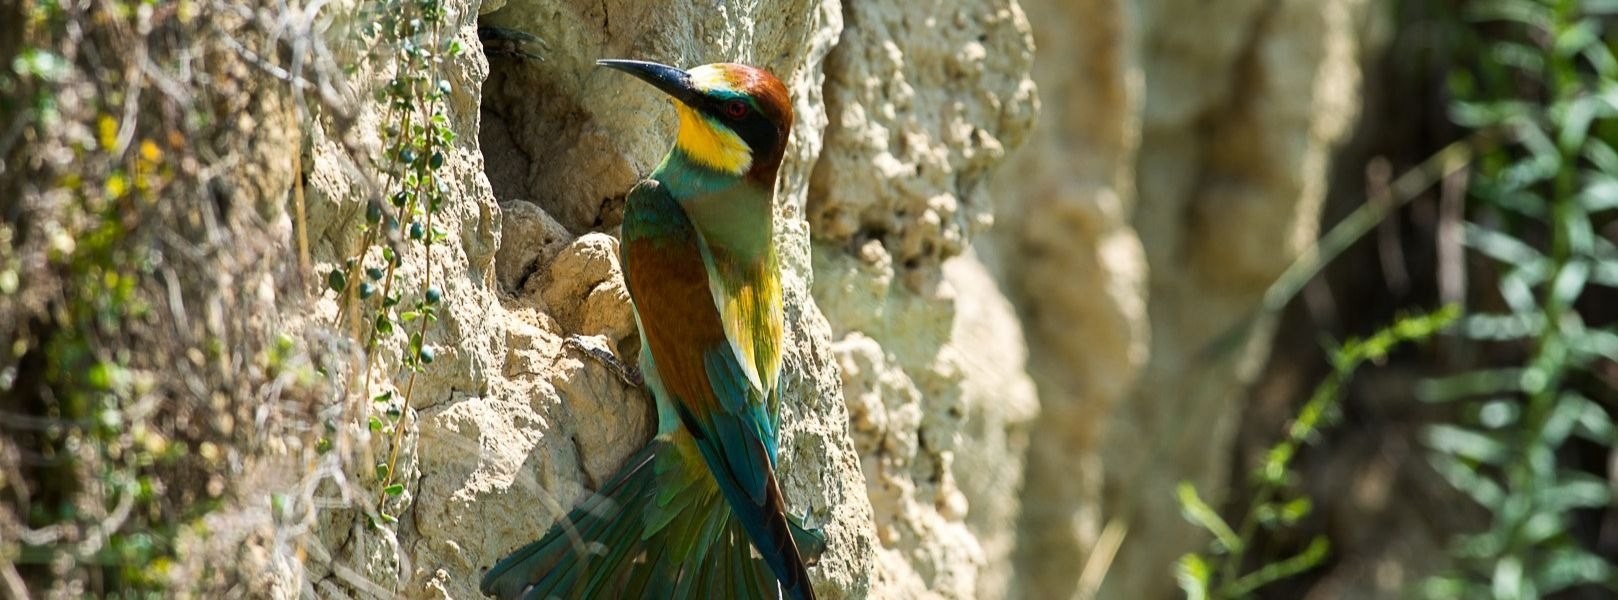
[1101, 557]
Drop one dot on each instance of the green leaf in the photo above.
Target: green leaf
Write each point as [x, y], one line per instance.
[1498, 414]
[1527, 13]
[1581, 234]
[1465, 478]
[1443, 588]
[41, 64]
[1605, 273]
[1508, 581]
[1287, 514]
[1563, 418]
[394, 490]
[336, 280]
[382, 470]
[278, 504]
[1515, 54]
[1571, 565]
[1465, 443]
[1570, 282]
[1502, 327]
[1199, 513]
[1601, 155]
[1602, 60]
[1194, 574]
[1571, 41]
[1594, 424]
[1517, 286]
[1488, 382]
[1574, 489]
[1295, 510]
[1540, 528]
[1499, 246]
[1580, 113]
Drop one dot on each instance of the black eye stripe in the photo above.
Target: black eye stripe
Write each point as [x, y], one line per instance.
[749, 123]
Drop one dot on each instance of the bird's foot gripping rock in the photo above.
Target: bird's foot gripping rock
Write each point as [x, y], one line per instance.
[628, 374]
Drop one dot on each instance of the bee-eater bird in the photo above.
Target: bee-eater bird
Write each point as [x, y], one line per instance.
[683, 517]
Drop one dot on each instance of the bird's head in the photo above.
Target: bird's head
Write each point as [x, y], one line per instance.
[734, 118]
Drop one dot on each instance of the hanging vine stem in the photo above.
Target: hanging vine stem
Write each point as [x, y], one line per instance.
[413, 32]
[426, 188]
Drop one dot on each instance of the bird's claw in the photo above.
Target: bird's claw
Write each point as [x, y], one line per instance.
[629, 375]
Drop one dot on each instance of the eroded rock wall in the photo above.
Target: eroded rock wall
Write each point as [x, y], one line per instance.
[1175, 169]
[1166, 184]
[510, 426]
[925, 99]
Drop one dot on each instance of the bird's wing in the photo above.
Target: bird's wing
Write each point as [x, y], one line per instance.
[747, 292]
[702, 374]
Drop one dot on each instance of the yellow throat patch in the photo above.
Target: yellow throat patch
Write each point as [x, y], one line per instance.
[711, 144]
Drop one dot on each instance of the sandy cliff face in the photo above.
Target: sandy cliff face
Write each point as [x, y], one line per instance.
[903, 109]
[925, 99]
[1164, 184]
[1010, 242]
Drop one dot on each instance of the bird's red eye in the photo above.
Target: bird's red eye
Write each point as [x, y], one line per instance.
[735, 109]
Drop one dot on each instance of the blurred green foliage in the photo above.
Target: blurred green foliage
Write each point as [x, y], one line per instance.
[1526, 432]
[140, 368]
[91, 482]
[1220, 572]
[1542, 74]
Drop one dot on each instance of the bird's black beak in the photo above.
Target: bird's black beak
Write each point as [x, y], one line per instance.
[672, 81]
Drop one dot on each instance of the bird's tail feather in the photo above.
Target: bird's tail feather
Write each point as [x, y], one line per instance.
[658, 528]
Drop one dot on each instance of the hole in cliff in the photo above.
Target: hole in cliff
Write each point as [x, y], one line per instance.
[522, 115]
[551, 163]
[505, 162]
[543, 137]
